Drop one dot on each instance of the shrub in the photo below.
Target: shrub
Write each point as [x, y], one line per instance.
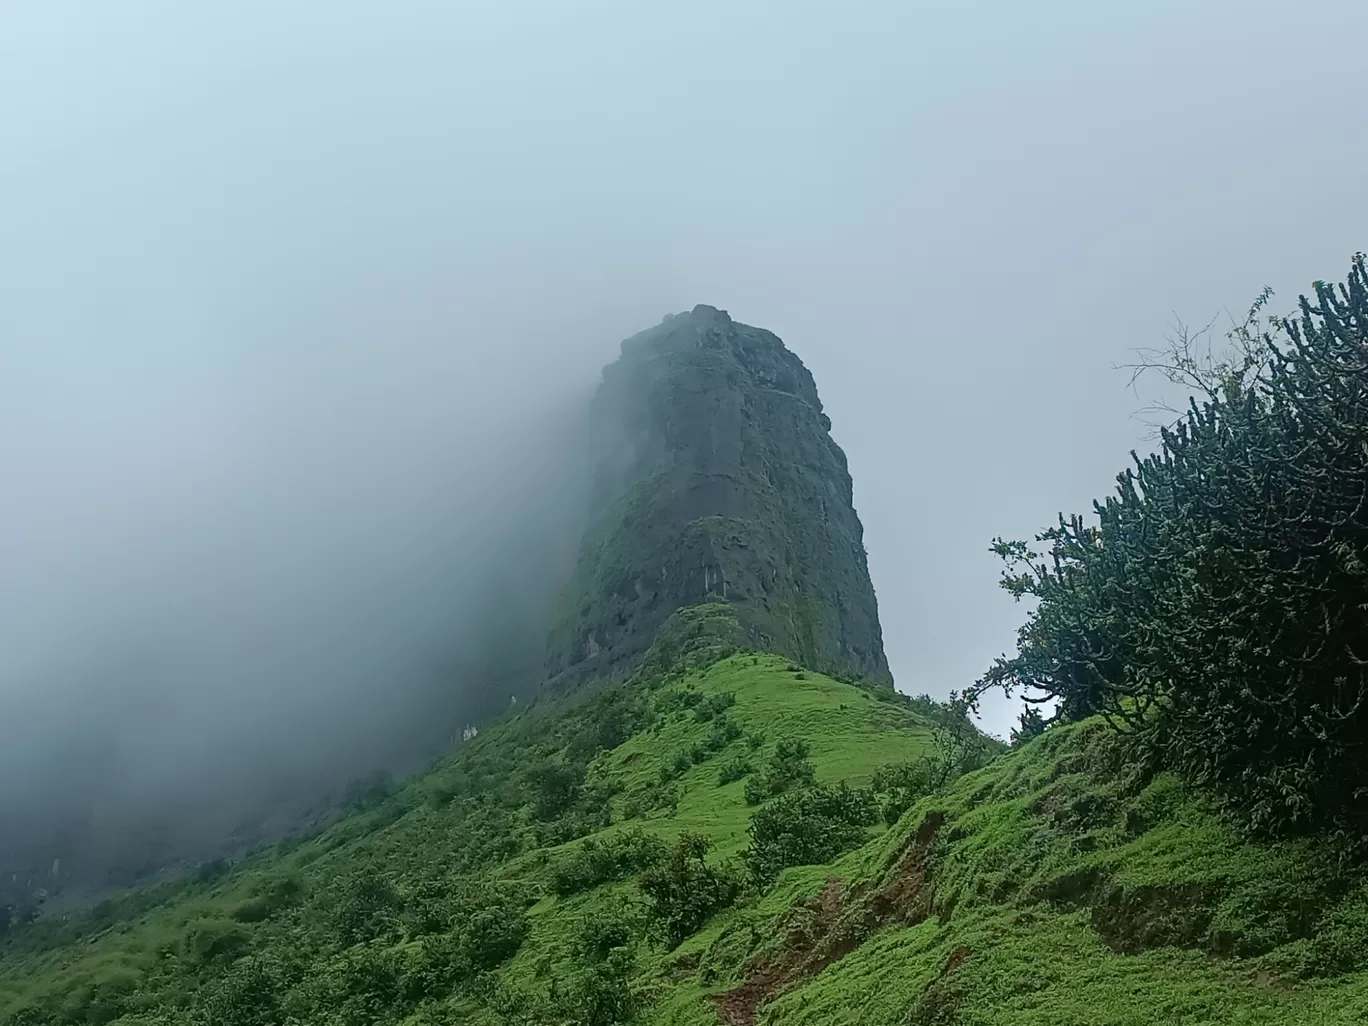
[210, 940]
[683, 891]
[601, 994]
[725, 731]
[615, 858]
[556, 787]
[246, 993]
[902, 785]
[642, 803]
[714, 705]
[365, 906]
[733, 769]
[787, 768]
[1213, 605]
[269, 897]
[806, 827]
[491, 927]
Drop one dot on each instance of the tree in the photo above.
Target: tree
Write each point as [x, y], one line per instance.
[1214, 605]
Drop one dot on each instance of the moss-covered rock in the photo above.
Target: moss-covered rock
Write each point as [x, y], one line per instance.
[717, 481]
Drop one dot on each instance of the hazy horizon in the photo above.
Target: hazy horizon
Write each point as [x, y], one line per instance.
[298, 304]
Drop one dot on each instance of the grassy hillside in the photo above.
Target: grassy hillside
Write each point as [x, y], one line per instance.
[521, 881]
[1054, 887]
[480, 837]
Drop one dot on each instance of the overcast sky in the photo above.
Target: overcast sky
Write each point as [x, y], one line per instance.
[411, 232]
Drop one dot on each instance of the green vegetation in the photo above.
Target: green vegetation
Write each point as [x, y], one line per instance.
[507, 885]
[1059, 884]
[1215, 609]
[727, 837]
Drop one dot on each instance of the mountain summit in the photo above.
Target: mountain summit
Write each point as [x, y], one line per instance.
[717, 480]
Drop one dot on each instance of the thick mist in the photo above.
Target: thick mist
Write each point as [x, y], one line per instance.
[231, 585]
[300, 304]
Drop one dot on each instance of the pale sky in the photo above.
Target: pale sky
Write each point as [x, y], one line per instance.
[273, 274]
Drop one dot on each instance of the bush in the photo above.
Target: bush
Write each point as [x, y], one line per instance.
[491, 927]
[210, 940]
[365, 906]
[601, 994]
[733, 769]
[683, 891]
[902, 785]
[640, 804]
[615, 858]
[806, 827]
[556, 787]
[714, 705]
[725, 731]
[1214, 608]
[270, 896]
[787, 768]
[246, 993]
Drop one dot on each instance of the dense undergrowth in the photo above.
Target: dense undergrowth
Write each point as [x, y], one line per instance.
[464, 895]
[569, 867]
[1213, 606]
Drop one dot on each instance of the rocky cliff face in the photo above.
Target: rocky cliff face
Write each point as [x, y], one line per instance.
[717, 481]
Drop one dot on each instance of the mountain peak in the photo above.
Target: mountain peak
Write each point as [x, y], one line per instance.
[717, 480]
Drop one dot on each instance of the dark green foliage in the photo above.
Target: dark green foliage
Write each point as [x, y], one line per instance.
[1216, 606]
[1030, 724]
[733, 769]
[725, 730]
[807, 826]
[663, 796]
[787, 768]
[596, 862]
[210, 940]
[601, 994]
[683, 891]
[365, 906]
[247, 993]
[490, 927]
[368, 792]
[206, 872]
[902, 785]
[715, 705]
[269, 897]
[556, 787]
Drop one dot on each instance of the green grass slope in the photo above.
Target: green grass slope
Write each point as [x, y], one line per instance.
[333, 928]
[1054, 886]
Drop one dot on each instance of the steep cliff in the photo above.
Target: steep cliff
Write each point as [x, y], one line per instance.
[717, 480]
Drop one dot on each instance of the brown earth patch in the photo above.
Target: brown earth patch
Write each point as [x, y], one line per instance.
[822, 930]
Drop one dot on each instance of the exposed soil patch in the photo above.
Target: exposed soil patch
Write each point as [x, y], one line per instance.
[1135, 920]
[905, 897]
[940, 1002]
[804, 952]
[823, 930]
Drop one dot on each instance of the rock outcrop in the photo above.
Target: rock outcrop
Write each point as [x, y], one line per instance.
[717, 480]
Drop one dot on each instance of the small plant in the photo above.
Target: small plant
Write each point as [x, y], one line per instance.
[805, 827]
[787, 768]
[596, 862]
[733, 769]
[683, 891]
[725, 731]
[714, 706]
